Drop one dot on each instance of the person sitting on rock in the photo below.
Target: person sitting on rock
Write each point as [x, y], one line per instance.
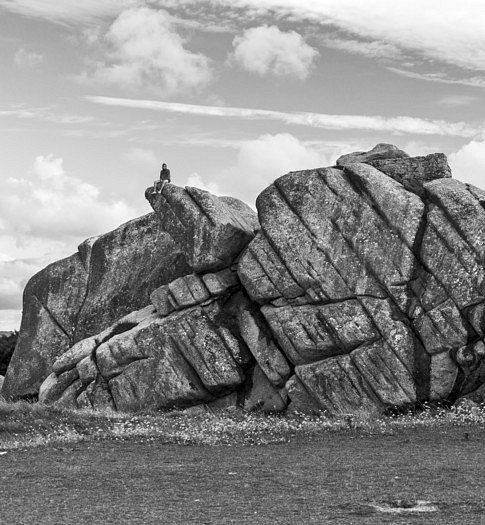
[158, 185]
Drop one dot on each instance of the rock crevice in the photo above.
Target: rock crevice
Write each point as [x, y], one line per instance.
[358, 288]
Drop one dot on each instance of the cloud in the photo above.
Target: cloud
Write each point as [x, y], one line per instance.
[267, 50]
[468, 163]
[45, 114]
[457, 100]
[43, 217]
[196, 181]
[142, 51]
[10, 319]
[142, 158]
[260, 161]
[443, 30]
[14, 275]
[475, 81]
[52, 205]
[27, 59]
[373, 49]
[68, 11]
[19, 113]
[399, 124]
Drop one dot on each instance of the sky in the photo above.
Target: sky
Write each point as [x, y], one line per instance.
[231, 94]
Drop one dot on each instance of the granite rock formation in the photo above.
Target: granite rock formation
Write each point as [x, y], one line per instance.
[114, 274]
[360, 289]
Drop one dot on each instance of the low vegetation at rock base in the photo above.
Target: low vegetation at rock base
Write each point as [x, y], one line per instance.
[27, 425]
[8, 340]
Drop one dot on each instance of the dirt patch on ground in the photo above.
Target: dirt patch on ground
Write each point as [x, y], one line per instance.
[336, 477]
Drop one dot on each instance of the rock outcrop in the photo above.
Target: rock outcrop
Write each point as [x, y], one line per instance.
[114, 274]
[360, 289]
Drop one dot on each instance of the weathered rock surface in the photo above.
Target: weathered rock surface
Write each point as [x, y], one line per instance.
[372, 281]
[115, 274]
[147, 360]
[361, 289]
[414, 172]
[210, 230]
[380, 151]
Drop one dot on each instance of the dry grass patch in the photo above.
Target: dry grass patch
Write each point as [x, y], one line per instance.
[24, 425]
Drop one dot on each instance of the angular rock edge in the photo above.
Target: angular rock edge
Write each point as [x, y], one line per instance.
[362, 290]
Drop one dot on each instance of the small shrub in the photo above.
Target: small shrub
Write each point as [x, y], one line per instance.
[8, 340]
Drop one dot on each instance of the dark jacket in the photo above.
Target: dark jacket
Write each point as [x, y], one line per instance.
[165, 174]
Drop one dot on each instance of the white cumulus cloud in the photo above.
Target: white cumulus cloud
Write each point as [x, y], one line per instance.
[268, 50]
[468, 163]
[262, 160]
[444, 30]
[14, 275]
[142, 51]
[196, 181]
[10, 319]
[50, 204]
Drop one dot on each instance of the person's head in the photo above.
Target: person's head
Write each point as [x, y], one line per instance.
[164, 165]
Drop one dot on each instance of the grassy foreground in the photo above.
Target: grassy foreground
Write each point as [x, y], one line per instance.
[26, 425]
[64, 466]
[85, 467]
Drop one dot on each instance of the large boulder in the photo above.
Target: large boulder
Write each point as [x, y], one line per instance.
[360, 290]
[372, 281]
[115, 274]
[159, 357]
[210, 230]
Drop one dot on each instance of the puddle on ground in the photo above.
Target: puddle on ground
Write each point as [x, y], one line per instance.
[404, 506]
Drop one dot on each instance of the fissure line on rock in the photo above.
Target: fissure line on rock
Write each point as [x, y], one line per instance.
[273, 246]
[481, 201]
[55, 321]
[391, 300]
[367, 264]
[199, 206]
[312, 234]
[275, 282]
[108, 387]
[380, 363]
[458, 253]
[86, 294]
[361, 190]
[172, 212]
[365, 384]
[450, 249]
[456, 227]
[178, 347]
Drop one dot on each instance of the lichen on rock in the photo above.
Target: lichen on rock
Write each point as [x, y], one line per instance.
[357, 288]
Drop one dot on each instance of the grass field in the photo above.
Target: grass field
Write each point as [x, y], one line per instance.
[73, 467]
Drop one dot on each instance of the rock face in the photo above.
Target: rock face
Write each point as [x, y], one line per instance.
[360, 289]
[113, 275]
